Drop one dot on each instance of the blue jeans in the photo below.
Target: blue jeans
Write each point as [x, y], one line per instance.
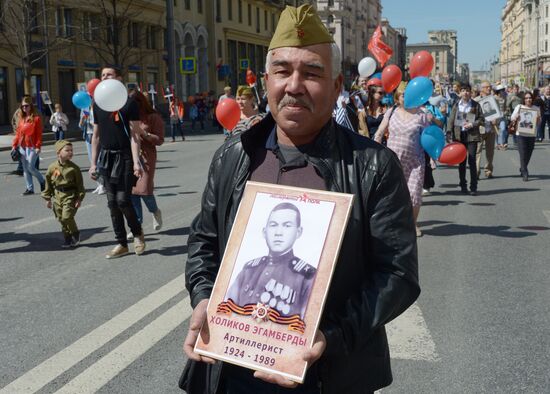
[542, 126]
[150, 203]
[28, 160]
[503, 132]
[59, 134]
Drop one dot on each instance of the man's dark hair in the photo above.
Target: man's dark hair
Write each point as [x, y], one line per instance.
[287, 205]
[117, 70]
[466, 86]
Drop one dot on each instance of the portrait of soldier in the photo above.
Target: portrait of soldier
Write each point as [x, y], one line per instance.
[487, 109]
[280, 280]
[526, 120]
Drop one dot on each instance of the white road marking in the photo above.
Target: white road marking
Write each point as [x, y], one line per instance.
[547, 214]
[109, 366]
[48, 370]
[51, 217]
[409, 337]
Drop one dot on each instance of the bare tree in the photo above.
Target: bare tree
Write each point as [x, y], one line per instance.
[115, 32]
[23, 24]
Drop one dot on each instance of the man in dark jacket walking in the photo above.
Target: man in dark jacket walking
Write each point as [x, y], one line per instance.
[298, 144]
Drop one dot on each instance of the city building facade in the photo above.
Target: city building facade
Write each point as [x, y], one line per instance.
[443, 56]
[514, 33]
[396, 38]
[215, 42]
[446, 37]
[352, 24]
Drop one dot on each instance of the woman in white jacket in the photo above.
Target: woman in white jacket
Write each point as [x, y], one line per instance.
[59, 122]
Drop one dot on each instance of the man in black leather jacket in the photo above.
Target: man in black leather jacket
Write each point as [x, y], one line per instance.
[298, 144]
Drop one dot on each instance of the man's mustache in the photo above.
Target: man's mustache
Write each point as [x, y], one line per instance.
[289, 100]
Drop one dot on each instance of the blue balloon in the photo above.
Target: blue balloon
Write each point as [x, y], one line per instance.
[417, 92]
[433, 141]
[82, 100]
[377, 75]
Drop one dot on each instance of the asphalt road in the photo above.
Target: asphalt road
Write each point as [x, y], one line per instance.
[74, 322]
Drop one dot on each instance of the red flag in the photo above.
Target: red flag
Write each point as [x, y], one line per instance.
[380, 50]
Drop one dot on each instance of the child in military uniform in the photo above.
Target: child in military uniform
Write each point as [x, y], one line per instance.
[64, 183]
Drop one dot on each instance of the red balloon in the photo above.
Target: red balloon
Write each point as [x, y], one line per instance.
[391, 77]
[421, 65]
[250, 77]
[454, 153]
[374, 82]
[91, 85]
[228, 113]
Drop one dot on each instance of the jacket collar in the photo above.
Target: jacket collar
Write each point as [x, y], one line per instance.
[263, 134]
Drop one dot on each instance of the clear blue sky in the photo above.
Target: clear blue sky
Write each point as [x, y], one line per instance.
[477, 23]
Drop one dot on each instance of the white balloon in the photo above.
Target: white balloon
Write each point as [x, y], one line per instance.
[366, 67]
[110, 95]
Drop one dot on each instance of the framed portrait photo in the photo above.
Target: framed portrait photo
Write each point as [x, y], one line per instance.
[490, 108]
[274, 276]
[46, 98]
[527, 122]
[81, 87]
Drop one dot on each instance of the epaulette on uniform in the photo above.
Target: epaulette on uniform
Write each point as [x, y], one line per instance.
[255, 262]
[302, 267]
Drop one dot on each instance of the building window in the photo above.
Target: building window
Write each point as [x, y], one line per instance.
[218, 10]
[187, 4]
[151, 37]
[63, 22]
[90, 74]
[330, 19]
[112, 32]
[230, 10]
[220, 50]
[545, 46]
[265, 20]
[240, 10]
[33, 16]
[546, 11]
[199, 6]
[546, 28]
[257, 19]
[272, 23]
[90, 26]
[330, 3]
[249, 15]
[133, 34]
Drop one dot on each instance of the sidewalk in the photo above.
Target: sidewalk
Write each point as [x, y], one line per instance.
[75, 134]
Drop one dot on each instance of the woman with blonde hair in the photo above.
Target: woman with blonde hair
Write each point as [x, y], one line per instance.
[405, 126]
[249, 110]
[28, 141]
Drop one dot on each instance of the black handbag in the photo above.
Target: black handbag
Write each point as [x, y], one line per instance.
[15, 154]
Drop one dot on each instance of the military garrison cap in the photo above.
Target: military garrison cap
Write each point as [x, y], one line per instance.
[299, 27]
[61, 144]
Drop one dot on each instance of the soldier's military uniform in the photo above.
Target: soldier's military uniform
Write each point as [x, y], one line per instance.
[282, 282]
[64, 186]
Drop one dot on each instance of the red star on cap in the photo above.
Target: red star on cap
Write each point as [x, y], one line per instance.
[300, 32]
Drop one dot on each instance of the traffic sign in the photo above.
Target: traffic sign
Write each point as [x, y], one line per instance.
[244, 64]
[188, 65]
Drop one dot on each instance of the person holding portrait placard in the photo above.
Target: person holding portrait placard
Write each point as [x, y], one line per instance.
[527, 113]
[465, 119]
[299, 144]
[488, 132]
